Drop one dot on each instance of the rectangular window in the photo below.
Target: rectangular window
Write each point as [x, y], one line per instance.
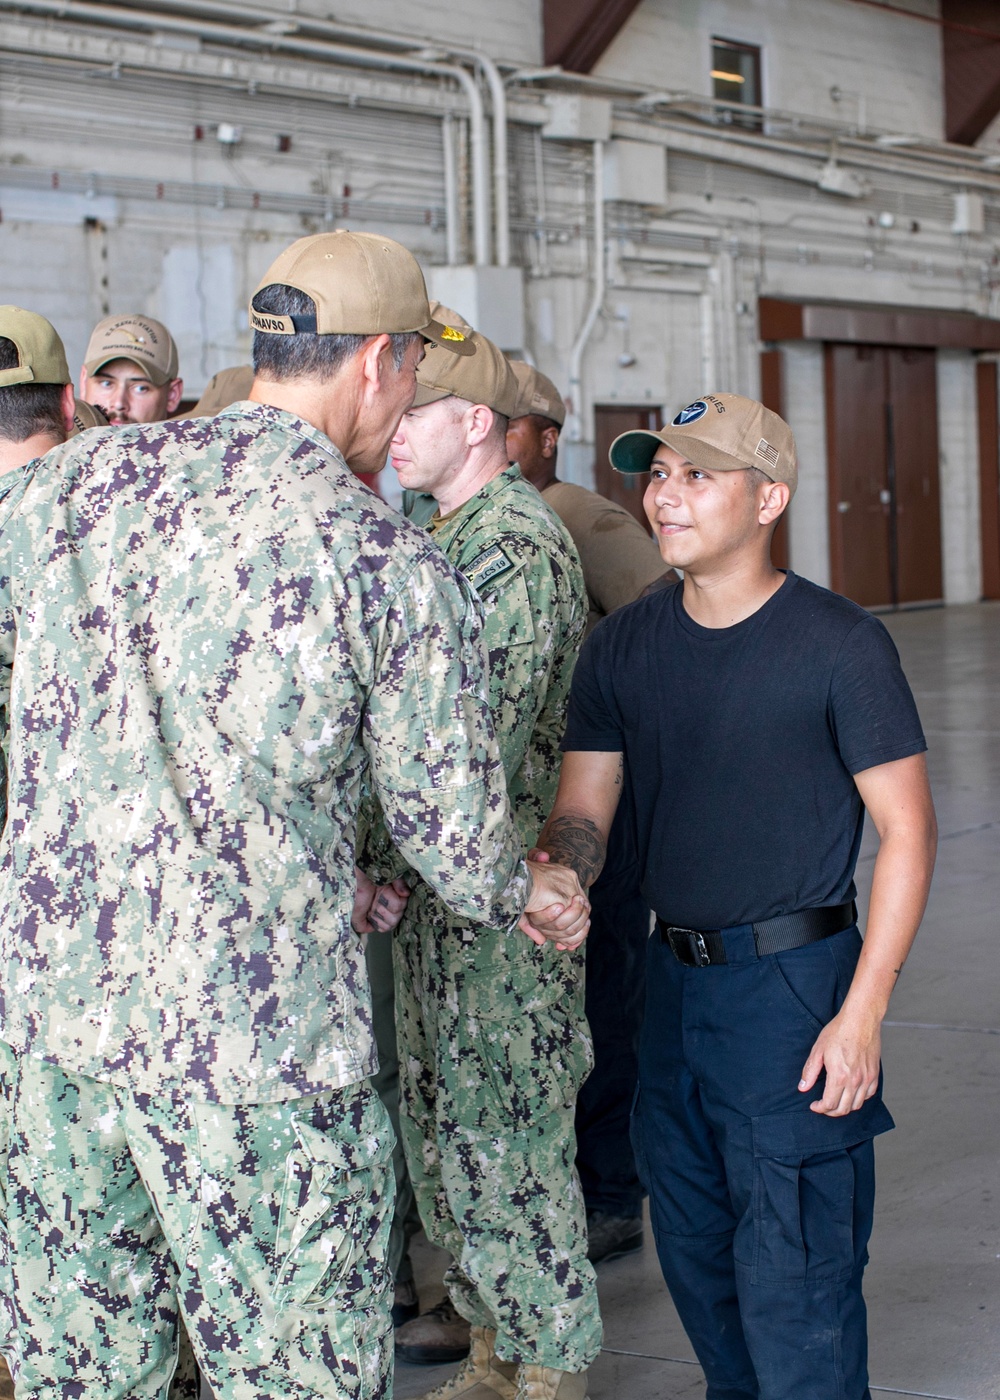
[736, 79]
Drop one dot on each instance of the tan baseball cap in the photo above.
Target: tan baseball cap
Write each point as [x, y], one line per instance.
[41, 358]
[224, 388]
[147, 343]
[720, 432]
[362, 284]
[448, 317]
[484, 377]
[87, 415]
[536, 394]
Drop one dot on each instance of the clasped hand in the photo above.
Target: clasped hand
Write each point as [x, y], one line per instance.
[377, 907]
[557, 911]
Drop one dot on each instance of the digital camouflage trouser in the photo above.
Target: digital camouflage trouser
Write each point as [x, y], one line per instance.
[265, 1223]
[493, 1047]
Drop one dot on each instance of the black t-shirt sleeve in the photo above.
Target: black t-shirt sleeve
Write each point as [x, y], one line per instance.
[872, 711]
[593, 724]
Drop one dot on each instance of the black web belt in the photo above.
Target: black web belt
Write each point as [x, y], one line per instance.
[706, 947]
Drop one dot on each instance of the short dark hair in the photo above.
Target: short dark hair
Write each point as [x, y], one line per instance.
[307, 355]
[27, 409]
[542, 422]
[755, 478]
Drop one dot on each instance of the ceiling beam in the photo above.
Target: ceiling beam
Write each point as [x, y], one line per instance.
[971, 67]
[579, 32]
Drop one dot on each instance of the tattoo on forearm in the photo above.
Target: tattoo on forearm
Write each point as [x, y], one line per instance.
[578, 844]
[620, 774]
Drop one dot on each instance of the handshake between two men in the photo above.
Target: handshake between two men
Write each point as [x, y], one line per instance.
[557, 910]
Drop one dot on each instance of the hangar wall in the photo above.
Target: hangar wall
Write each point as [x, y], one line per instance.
[150, 168]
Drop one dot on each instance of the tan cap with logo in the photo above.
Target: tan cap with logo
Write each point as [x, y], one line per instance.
[228, 386]
[362, 284]
[720, 432]
[41, 358]
[147, 343]
[448, 317]
[87, 415]
[485, 377]
[536, 394]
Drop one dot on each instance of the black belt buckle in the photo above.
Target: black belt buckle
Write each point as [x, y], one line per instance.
[688, 946]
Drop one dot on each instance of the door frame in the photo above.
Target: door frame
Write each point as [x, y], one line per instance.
[988, 415]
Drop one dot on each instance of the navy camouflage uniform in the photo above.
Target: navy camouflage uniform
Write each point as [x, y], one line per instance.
[493, 1044]
[211, 636]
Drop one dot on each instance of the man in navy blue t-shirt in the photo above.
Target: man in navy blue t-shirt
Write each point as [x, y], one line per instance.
[759, 716]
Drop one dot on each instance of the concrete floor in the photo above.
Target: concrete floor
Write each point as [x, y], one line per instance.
[934, 1282]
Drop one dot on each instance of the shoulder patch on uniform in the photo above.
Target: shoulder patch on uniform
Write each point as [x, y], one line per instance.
[493, 563]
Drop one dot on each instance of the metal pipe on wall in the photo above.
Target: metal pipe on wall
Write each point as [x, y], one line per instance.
[401, 44]
[154, 21]
[451, 207]
[575, 433]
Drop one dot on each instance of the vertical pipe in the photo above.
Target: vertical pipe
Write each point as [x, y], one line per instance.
[451, 214]
[597, 301]
[501, 196]
[707, 342]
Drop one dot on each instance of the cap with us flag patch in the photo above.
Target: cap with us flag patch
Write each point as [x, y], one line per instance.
[720, 432]
[536, 394]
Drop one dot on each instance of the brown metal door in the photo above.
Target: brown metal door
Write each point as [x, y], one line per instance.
[859, 492]
[772, 396]
[988, 403]
[915, 539]
[609, 421]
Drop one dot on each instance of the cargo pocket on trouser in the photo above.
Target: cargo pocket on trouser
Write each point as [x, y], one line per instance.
[334, 1209]
[812, 1195]
[524, 1051]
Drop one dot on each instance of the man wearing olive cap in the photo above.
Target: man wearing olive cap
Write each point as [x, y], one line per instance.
[493, 1044]
[130, 370]
[759, 716]
[36, 391]
[212, 636]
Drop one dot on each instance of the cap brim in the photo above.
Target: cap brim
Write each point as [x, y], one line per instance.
[634, 451]
[154, 375]
[426, 394]
[448, 338]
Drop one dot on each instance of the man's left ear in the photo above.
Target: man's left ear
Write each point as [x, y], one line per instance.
[775, 503]
[68, 407]
[175, 395]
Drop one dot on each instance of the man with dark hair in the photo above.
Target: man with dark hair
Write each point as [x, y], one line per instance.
[493, 1044]
[36, 392]
[130, 370]
[759, 716]
[619, 560]
[212, 636]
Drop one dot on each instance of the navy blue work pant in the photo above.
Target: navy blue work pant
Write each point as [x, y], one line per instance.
[761, 1209]
[616, 993]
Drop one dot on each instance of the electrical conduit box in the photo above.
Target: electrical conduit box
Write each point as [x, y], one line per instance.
[576, 117]
[970, 214]
[490, 298]
[635, 172]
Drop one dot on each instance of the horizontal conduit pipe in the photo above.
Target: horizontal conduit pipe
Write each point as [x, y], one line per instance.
[153, 21]
[400, 44]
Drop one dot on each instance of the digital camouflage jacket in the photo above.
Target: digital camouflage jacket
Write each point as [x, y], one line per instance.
[211, 635]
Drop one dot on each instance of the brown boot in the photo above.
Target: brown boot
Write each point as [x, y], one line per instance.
[435, 1338]
[542, 1383]
[483, 1376]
